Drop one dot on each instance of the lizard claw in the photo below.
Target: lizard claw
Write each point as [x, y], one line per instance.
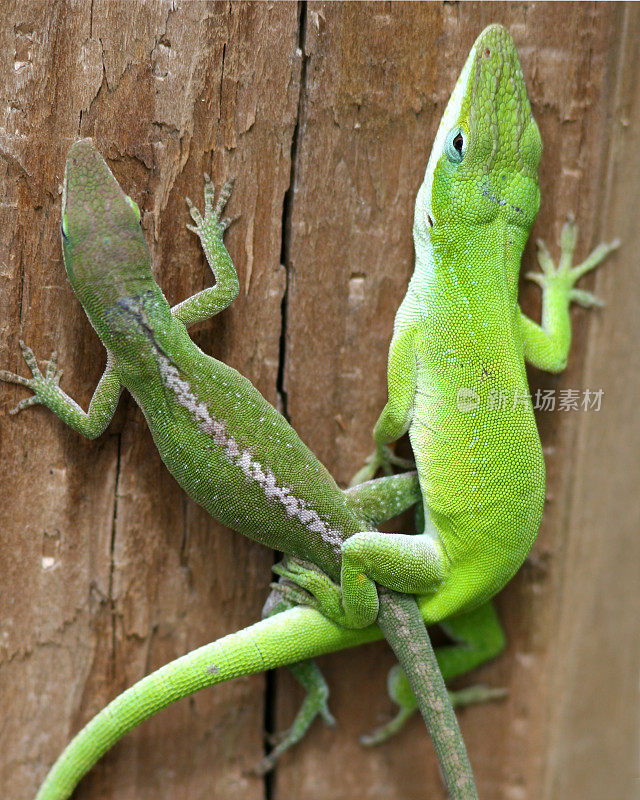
[382, 458]
[211, 224]
[226, 221]
[34, 400]
[39, 384]
[586, 299]
[478, 693]
[292, 594]
[565, 275]
[225, 194]
[306, 584]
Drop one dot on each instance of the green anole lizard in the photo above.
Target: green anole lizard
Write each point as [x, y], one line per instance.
[479, 198]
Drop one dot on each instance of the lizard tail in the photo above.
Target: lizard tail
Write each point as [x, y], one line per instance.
[293, 635]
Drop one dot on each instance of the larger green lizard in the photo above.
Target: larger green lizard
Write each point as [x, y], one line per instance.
[482, 475]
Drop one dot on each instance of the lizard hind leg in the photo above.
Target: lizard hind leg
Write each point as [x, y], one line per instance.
[306, 584]
[315, 703]
[411, 564]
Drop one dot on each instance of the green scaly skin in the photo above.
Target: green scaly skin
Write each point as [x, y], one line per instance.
[481, 474]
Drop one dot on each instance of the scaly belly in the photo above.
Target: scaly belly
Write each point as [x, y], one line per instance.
[482, 478]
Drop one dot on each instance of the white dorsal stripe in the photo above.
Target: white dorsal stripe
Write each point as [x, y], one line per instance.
[243, 458]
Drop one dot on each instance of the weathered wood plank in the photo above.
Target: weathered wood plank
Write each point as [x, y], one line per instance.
[593, 725]
[112, 572]
[376, 84]
[108, 571]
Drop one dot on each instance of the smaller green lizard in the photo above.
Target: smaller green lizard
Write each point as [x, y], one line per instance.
[235, 455]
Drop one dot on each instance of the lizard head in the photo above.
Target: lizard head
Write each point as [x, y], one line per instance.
[105, 254]
[484, 162]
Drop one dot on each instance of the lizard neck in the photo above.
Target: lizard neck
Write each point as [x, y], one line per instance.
[479, 263]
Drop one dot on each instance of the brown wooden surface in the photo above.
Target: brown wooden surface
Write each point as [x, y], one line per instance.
[325, 114]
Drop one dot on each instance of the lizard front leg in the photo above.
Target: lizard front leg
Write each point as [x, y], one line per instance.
[210, 229]
[47, 392]
[397, 414]
[546, 346]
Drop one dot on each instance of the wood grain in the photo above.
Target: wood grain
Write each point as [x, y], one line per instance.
[324, 114]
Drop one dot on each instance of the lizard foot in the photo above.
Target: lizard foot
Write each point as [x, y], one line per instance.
[402, 695]
[479, 693]
[314, 705]
[382, 459]
[212, 225]
[388, 730]
[565, 275]
[307, 585]
[41, 385]
[459, 699]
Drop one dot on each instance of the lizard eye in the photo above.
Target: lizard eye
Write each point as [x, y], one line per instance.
[456, 145]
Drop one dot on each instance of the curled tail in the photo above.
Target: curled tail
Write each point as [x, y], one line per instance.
[285, 638]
